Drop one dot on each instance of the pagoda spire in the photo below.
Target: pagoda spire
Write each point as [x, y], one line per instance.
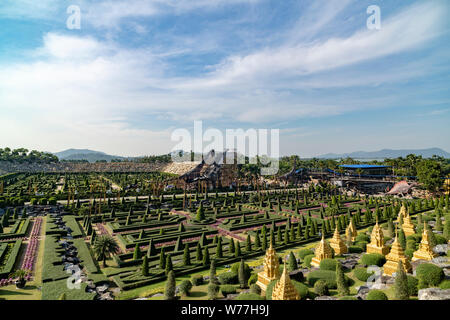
[394, 257]
[284, 289]
[425, 251]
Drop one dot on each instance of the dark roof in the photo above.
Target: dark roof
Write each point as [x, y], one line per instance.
[362, 166]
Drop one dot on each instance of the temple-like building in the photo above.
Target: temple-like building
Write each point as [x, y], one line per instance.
[376, 244]
[271, 269]
[394, 257]
[425, 251]
[337, 244]
[351, 231]
[284, 289]
[408, 226]
[402, 213]
[323, 251]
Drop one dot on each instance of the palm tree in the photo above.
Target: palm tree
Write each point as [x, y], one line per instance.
[105, 246]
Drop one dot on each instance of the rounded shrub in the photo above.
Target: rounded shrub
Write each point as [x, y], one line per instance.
[249, 296]
[321, 288]
[228, 278]
[227, 289]
[362, 245]
[373, 259]
[362, 274]
[43, 201]
[307, 260]
[376, 295]
[213, 290]
[304, 252]
[185, 287]
[197, 280]
[362, 237]
[327, 275]
[440, 239]
[444, 285]
[328, 264]
[429, 275]
[301, 288]
[354, 249]
[52, 201]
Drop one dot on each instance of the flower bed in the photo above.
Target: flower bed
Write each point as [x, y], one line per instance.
[32, 248]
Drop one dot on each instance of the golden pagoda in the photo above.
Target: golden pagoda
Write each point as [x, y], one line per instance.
[351, 231]
[271, 269]
[425, 251]
[395, 255]
[323, 251]
[408, 226]
[337, 244]
[284, 289]
[402, 212]
[376, 244]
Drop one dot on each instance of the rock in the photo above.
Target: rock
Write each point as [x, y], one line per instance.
[102, 289]
[434, 294]
[362, 292]
[441, 249]
[325, 298]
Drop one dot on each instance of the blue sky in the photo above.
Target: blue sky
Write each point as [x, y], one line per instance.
[137, 70]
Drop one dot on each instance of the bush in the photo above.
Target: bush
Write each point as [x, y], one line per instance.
[227, 289]
[52, 201]
[228, 278]
[249, 296]
[307, 260]
[254, 288]
[445, 285]
[321, 288]
[252, 280]
[362, 238]
[213, 290]
[328, 264]
[43, 201]
[362, 274]
[376, 295]
[373, 259]
[185, 287]
[354, 249]
[304, 252]
[429, 275]
[414, 237]
[348, 298]
[440, 239]
[247, 270]
[409, 253]
[327, 275]
[302, 289]
[197, 280]
[297, 275]
[362, 245]
[412, 285]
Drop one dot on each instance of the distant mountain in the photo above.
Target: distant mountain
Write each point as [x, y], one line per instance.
[86, 154]
[388, 153]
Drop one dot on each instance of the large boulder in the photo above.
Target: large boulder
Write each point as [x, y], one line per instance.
[434, 294]
[441, 249]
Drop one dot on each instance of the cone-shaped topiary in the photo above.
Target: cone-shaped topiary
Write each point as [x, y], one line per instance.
[145, 266]
[169, 292]
[198, 253]
[401, 283]
[341, 282]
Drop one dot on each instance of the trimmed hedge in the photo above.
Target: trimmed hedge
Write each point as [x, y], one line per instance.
[304, 252]
[327, 275]
[376, 295]
[228, 278]
[373, 259]
[249, 296]
[429, 275]
[362, 274]
[307, 260]
[328, 264]
[227, 289]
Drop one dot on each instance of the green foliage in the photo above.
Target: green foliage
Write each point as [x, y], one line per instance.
[227, 289]
[401, 290]
[307, 260]
[242, 274]
[328, 264]
[249, 296]
[412, 285]
[444, 285]
[228, 277]
[373, 259]
[429, 275]
[145, 266]
[341, 281]
[169, 292]
[185, 287]
[321, 288]
[376, 295]
[327, 275]
[292, 262]
[197, 280]
[429, 173]
[304, 252]
[362, 274]
[255, 289]
[213, 290]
